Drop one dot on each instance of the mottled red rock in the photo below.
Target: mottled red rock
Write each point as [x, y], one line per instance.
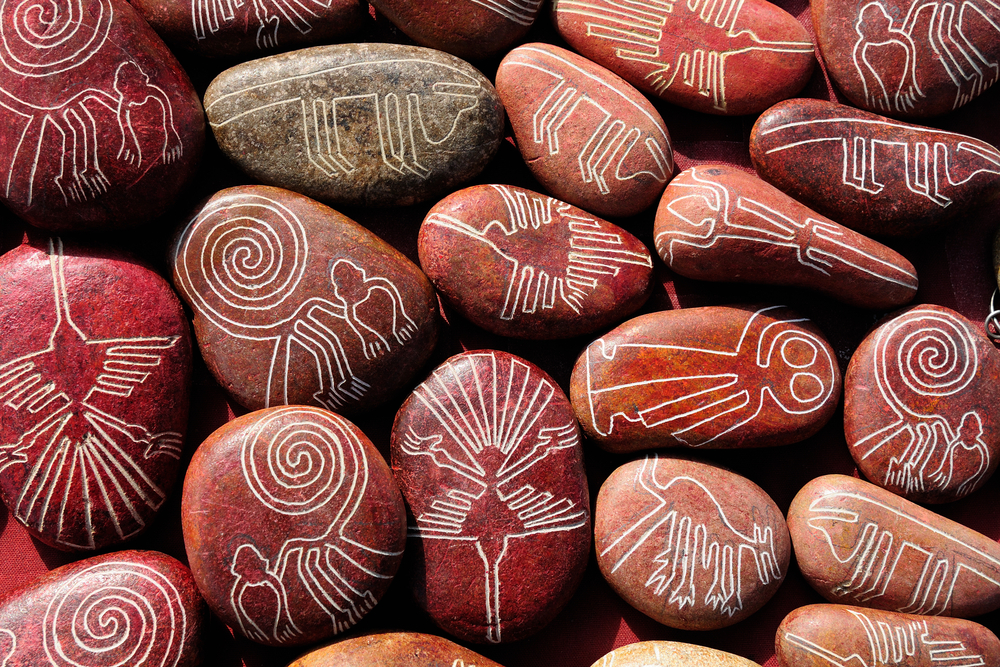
[718, 223]
[670, 654]
[358, 124]
[587, 135]
[399, 649]
[690, 545]
[715, 377]
[879, 176]
[731, 58]
[293, 524]
[95, 366]
[295, 303]
[857, 543]
[820, 635]
[126, 608]
[101, 126]
[488, 457]
[521, 264]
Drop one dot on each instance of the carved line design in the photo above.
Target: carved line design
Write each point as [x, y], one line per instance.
[522, 12]
[208, 16]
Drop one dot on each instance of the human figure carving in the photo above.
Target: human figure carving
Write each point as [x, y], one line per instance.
[209, 16]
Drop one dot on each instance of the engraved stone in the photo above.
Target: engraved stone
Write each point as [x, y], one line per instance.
[101, 126]
[878, 176]
[399, 649]
[920, 401]
[293, 524]
[95, 363]
[821, 635]
[521, 264]
[588, 136]
[715, 222]
[357, 124]
[488, 457]
[691, 545]
[295, 303]
[859, 544]
[734, 57]
[715, 377]
[670, 654]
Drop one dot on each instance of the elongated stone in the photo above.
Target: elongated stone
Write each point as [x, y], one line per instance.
[525, 265]
[879, 176]
[587, 135]
[670, 654]
[715, 377]
[400, 649]
[358, 124]
[95, 367]
[295, 303]
[731, 58]
[488, 457]
[857, 543]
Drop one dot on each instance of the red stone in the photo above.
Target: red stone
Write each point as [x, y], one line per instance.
[718, 223]
[820, 635]
[588, 136]
[295, 303]
[715, 377]
[879, 176]
[521, 264]
[95, 366]
[671, 654]
[399, 649]
[101, 126]
[126, 608]
[730, 58]
[293, 524]
[690, 545]
[856, 543]
[488, 457]
[920, 397]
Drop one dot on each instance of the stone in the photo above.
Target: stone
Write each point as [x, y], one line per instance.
[878, 176]
[400, 649]
[920, 401]
[670, 654]
[736, 58]
[716, 377]
[488, 457]
[126, 608]
[357, 124]
[908, 59]
[857, 543]
[295, 303]
[718, 223]
[819, 635]
[586, 134]
[521, 264]
[95, 368]
[293, 524]
[102, 128]
[667, 531]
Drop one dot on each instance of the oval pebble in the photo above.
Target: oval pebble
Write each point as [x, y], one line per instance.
[399, 649]
[670, 654]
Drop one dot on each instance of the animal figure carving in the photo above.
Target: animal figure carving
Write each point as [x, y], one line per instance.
[208, 16]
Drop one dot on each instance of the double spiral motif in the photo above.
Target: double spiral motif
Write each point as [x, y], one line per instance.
[41, 38]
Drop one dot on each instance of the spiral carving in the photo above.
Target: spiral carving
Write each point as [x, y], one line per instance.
[115, 614]
[39, 38]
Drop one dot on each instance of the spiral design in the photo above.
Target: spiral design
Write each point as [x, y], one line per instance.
[41, 38]
[115, 614]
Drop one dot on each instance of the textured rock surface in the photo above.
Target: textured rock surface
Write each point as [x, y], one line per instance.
[400, 649]
[521, 264]
[95, 366]
[671, 654]
[488, 457]
[295, 303]
[587, 135]
[715, 377]
[359, 124]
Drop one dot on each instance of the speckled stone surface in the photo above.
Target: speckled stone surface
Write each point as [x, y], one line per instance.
[400, 649]
[671, 654]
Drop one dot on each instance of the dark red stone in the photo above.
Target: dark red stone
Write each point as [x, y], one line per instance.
[588, 136]
[101, 126]
[136, 608]
[715, 377]
[293, 524]
[732, 58]
[521, 264]
[920, 397]
[718, 223]
[95, 366]
[295, 303]
[691, 545]
[879, 176]
[857, 543]
[399, 649]
[488, 457]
